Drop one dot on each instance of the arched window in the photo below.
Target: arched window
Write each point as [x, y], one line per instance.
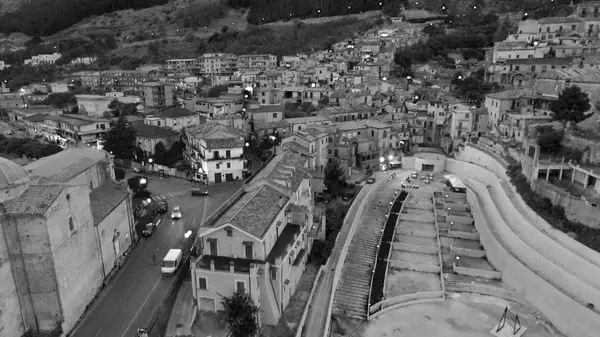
[71, 225]
[91, 185]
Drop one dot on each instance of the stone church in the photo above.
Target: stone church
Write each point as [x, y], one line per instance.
[64, 226]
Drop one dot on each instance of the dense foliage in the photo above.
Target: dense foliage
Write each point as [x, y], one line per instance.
[120, 139]
[263, 11]
[240, 314]
[554, 214]
[571, 106]
[18, 76]
[201, 13]
[285, 40]
[43, 18]
[28, 147]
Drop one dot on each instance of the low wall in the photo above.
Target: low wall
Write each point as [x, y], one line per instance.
[484, 289]
[488, 274]
[424, 268]
[457, 206]
[309, 303]
[419, 206]
[463, 220]
[463, 235]
[467, 252]
[404, 300]
[418, 160]
[415, 249]
[516, 261]
[417, 232]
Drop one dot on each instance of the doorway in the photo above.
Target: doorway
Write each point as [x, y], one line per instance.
[229, 177]
[218, 178]
[427, 168]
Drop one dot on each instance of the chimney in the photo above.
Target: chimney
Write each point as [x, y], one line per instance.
[231, 267]
[281, 202]
[212, 265]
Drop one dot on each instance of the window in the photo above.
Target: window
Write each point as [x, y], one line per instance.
[212, 245]
[202, 283]
[71, 225]
[228, 165]
[228, 154]
[249, 252]
[274, 114]
[229, 232]
[91, 185]
[240, 286]
[218, 166]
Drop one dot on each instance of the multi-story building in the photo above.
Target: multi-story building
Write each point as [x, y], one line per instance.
[147, 136]
[461, 121]
[315, 141]
[215, 152]
[260, 62]
[521, 100]
[213, 106]
[299, 123]
[43, 59]
[125, 79]
[75, 129]
[96, 105]
[219, 63]
[88, 78]
[175, 118]
[183, 65]
[69, 205]
[11, 100]
[260, 244]
[348, 113]
[158, 96]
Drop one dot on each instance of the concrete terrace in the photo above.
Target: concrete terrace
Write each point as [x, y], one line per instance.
[353, 289]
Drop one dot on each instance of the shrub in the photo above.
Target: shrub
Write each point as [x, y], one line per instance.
[553, 214]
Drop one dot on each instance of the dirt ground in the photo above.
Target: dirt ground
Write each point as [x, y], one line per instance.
[464, 315]
[403, 282]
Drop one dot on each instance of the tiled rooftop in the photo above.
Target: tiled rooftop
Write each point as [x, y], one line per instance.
[35, 200]
[177, 112]
[295, 146]
[218, 136]
[65, 165]
[254, 211]
[105, 199]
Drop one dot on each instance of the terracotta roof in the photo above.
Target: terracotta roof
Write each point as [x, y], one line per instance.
[296, 147]
[218, 136]
[65, 165]
[176, 112]
[35, 200]
[254, 211]
[152, 132]
[105, 199]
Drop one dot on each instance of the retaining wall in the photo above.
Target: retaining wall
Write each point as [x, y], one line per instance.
[424, 268]
[417, 232]
[309, 303]
[415, 249]
[404, 300]
[467, 252]
[488, 274]
[484, 289]
[464, 220]
[463, 235]
[428, 207]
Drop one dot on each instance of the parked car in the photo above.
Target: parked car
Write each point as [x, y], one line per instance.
[371, 180]
[162, 206]
[199, 191]
[150, 227]
[176, 213]
[11, 132]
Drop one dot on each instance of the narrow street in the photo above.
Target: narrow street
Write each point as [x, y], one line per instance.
[138, 289]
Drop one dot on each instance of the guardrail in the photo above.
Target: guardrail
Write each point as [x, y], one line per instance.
[389, 252]
[384, 306]
[439, 243]
[354, 213]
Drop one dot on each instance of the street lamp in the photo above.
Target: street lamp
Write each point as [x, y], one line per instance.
[143, 181]
[381, 160]
[390, 157]
[148, 200]
[150, 160]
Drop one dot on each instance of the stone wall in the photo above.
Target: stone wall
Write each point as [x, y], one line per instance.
[590, 147]
[576, 209]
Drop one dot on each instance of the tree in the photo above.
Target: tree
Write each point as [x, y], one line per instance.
[61, 100]
[120, 139]
[240, 313]
[216, 90]
[571, 106]
[161, 155]
[334, 175]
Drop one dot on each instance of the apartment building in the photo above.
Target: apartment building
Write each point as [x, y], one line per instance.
[348, 113]
[43, 59]
[87, 78]
[177, 118]
[315, 142]
[461, 121]
[125, 79]
[187, 66]
[261, 62]
[260, 244]
[215, 152]
[75, 129]
[213, 106]
[219, 63]
[158, 96]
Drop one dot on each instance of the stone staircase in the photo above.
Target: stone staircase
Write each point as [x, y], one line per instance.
[355, 282]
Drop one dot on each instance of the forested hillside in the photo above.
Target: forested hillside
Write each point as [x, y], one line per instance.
[43, 18]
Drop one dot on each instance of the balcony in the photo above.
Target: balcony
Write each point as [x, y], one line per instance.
[284, 244]
[225, 264]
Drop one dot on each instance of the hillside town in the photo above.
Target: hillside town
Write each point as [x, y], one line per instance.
[271, 142]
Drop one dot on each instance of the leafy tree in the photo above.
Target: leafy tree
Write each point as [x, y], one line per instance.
[61, 100]
[216, 90]
[161, 154]
[571, 106]
[240, 312]
[549, 140]
[120, 139]
[334, 176]
[118, 108]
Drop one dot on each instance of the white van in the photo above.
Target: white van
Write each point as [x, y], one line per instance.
[171, 261]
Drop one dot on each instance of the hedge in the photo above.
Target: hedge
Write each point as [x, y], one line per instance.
[553, 214]
[27, 147]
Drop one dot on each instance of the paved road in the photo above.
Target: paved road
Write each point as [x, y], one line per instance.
[138, 289]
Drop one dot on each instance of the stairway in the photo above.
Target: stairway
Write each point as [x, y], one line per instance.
[354, 286]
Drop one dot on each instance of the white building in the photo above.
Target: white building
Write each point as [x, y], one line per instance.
[43, 59]
[215, 152]
[461, 122]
